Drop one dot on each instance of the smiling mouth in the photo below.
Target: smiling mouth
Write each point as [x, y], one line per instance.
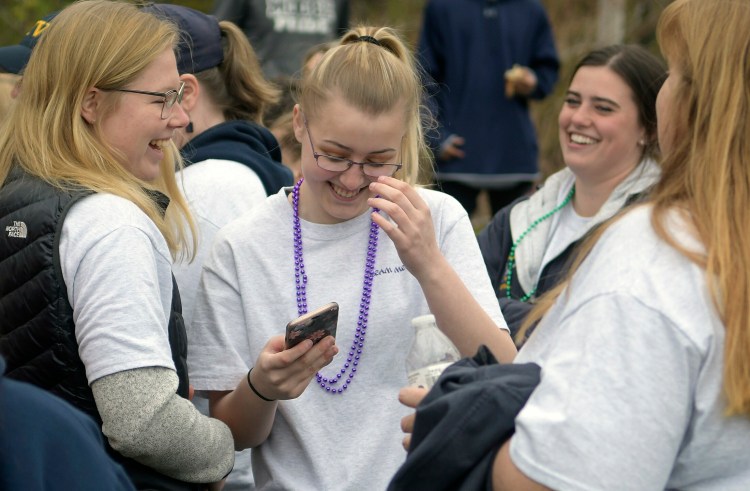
[344, 193]
[159, 144]
[581, 139]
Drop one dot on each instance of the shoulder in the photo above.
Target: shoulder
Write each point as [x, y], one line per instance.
[543, 199]
[633, 228]
[115, 208]
[205, 177]
[99, 215]
[631, 259]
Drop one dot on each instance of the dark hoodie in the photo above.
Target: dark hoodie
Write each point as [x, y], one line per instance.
[247, 143]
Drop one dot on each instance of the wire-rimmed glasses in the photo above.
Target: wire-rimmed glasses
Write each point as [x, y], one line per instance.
[341, 164]
[171, 97]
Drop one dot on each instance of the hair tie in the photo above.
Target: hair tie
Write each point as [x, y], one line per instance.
[369, 39]
[252, 387]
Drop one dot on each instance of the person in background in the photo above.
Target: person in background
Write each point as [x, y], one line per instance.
[91, 217]
[291, 149]
[485, 60]
[607, 131]
[231, 161]
[48, 445]
[283, 31]
[8, 83]
[280, 121]
[13, 58]
[645, 378]
[354, 230]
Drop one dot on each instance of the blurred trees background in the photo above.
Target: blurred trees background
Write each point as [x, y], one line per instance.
[579, 26]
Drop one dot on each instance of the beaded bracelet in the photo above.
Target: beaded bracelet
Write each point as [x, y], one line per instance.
[256, 390]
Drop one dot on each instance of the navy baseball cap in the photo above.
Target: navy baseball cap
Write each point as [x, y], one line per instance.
[200, 45]
[14, 58]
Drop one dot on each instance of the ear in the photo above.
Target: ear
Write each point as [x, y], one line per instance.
[644, 139]
[90, 104]
[16, 90]
[191, 92]
[298, 124]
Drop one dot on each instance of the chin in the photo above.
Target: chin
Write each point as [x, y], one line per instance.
[343, 213]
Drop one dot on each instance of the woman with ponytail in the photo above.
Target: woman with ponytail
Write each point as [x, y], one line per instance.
[357, 230]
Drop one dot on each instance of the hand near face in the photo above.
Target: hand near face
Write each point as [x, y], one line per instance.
[281, 374]
[410, 397]
[410, 227]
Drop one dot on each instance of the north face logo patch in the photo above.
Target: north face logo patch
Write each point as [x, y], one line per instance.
[18, 230]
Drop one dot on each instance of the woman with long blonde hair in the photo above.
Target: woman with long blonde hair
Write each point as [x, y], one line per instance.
[644, 351]
[91, 218]
[355, 230]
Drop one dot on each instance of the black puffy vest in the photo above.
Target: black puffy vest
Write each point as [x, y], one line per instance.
[37, 333]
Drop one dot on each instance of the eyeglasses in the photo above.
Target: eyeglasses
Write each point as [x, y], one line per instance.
[341, 164]
[171, 97]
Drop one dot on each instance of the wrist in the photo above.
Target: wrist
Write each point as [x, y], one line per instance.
[255, 391]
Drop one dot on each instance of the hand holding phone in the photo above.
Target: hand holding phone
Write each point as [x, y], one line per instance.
[314, 325]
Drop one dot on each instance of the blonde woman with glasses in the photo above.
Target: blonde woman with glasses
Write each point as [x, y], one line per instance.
[355, 230]
[91, 218]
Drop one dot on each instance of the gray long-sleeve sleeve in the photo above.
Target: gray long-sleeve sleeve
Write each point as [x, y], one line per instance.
[144, 419]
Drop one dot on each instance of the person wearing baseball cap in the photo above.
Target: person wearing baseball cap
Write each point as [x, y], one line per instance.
[232, 162]
[13, 58]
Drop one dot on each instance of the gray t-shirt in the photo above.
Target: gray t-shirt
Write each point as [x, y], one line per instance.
[631, 390]
[247, 294]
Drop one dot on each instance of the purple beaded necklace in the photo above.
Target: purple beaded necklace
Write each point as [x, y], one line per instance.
[330, 385]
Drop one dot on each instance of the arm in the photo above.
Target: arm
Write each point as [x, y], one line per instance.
[221, 355]
[507, 477]
[145, 419]
[277, 375]
[116, 268]
[457, 312]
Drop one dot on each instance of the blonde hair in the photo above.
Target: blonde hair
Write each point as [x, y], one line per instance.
[92, 43]
[238, 85]
[707, 170]
[374, 78]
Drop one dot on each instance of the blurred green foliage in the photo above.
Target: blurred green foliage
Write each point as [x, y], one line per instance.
[574, 23]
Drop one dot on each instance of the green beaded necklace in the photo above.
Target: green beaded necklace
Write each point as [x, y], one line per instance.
[512, 256]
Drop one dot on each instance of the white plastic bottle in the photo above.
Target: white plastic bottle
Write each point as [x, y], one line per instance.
[430, 353]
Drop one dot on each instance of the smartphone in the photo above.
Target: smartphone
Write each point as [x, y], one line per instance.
[314, 325]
